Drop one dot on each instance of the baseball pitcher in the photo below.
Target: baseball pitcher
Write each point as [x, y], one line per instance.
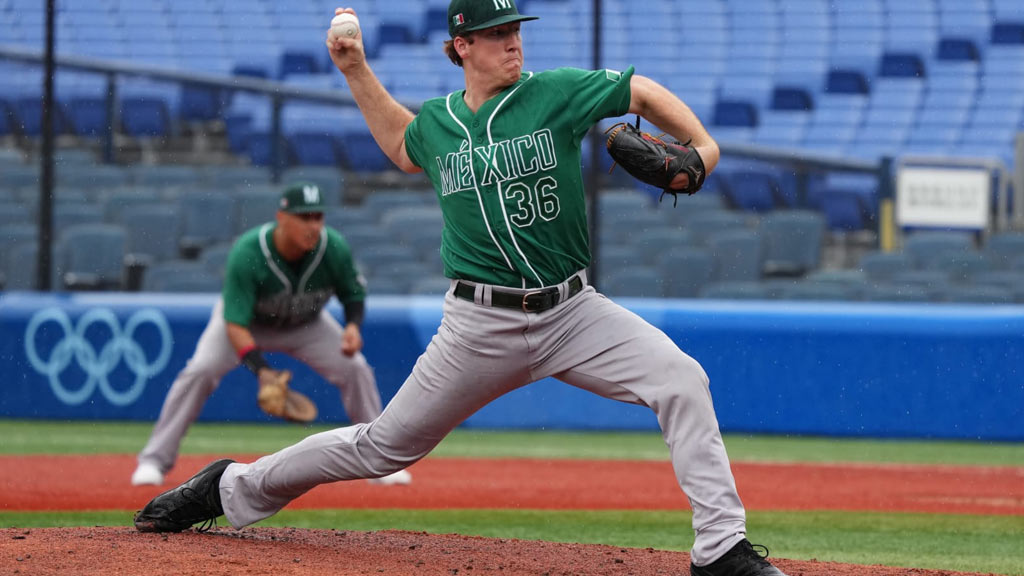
[504, 158]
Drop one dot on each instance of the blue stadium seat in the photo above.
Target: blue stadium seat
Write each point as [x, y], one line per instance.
[207, 217]
[935, 282]
[782, 127]
[901, 65]
[433, 285]
[706, 222]
[882, 266]
[314, 148]
[1009, 279]
[330, 179]
[846, 82]
[87, 116]
[361, 153]
[632, 282]
[734, 113]
[379, 202]
[116, 202]
[685, 269]
[1007, 33]
[22, 274]
[180, 276]
[740, 290]
[143, 116]
[737, 254]
[254, 207]
[957, 49]
[925, 246]
[792, 241]
[979, 294]
[961, 266]
[165, 176]
[342, 218]
[92, 256]
[152, 231]
[651, 242]
[13, 235]
[1002, 248]
[752, 190]
[259, 148]
[215, 257]
[28, 117]
[67, 214]
[819, 291]
[386, 259]
[6, 126]
[791, 98]
[895, 293]
[403, 222]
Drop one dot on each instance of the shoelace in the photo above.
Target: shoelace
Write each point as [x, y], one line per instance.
[203, 500]
[207, 525]
[762, 558]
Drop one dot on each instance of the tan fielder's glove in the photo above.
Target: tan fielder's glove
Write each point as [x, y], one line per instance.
[279, 400]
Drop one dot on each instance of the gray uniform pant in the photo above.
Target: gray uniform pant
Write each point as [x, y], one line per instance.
[317, 344]
[480, 353]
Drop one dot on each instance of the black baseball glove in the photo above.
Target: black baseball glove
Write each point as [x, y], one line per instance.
[653, 160]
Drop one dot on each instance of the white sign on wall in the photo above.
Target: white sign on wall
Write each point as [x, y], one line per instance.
[943, 197]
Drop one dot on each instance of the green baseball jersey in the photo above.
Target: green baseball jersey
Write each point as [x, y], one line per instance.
[261, 287]
[509, 177]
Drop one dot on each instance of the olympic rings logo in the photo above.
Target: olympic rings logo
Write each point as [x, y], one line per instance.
[98, 365]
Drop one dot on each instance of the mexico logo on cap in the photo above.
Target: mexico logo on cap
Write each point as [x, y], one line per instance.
[458, 19]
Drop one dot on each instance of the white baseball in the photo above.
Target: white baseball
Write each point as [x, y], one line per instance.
[345, 25]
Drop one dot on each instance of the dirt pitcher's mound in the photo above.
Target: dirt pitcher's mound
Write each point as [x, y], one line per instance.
[287, 551]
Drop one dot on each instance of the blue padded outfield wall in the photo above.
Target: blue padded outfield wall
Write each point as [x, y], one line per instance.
[860, 369]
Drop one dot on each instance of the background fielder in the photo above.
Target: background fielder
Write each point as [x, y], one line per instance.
[278, 280]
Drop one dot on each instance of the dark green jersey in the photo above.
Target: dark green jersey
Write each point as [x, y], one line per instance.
[260, 287]
[509, 178]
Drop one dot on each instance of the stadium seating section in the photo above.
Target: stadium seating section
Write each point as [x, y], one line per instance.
[850, 79]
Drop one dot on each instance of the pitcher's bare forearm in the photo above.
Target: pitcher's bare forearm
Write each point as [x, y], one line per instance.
[659, 106]
[385, 116]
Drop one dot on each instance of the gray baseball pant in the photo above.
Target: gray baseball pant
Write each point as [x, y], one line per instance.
[317, 344]
[480, 353]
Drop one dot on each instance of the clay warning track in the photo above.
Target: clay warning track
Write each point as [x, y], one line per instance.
[99, 482]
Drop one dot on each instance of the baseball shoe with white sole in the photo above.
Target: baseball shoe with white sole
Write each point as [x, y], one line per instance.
[195, 501]
[740, 560]
[147, 474]
[400, 478]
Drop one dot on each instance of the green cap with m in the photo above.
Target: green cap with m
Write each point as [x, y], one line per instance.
[470, 15]
[302, 198]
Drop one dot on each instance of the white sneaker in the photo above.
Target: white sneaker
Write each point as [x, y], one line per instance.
[147, 475]
[400, 478]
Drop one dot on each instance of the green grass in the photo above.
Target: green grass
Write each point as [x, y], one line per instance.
[990, 544]
[44, 437]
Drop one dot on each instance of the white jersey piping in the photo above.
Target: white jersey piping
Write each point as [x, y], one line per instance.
[479, 198]
[270, 259]
[501, 198]
[316, 261]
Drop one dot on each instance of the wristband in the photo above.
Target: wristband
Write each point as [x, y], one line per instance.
[253, 359]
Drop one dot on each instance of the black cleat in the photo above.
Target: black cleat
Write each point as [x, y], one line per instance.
[195, 501]
[740, 560]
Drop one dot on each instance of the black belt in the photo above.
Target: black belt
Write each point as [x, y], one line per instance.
[534, 301]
